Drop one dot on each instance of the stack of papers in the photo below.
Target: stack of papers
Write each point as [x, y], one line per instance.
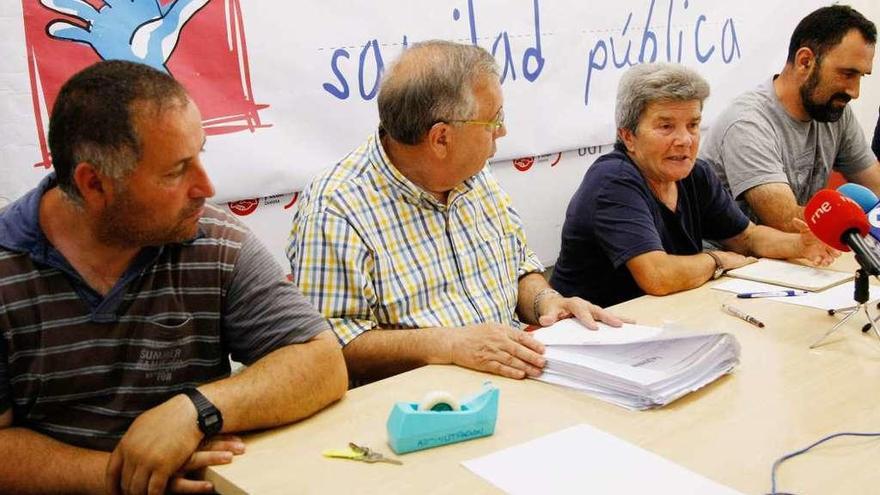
[634, 366]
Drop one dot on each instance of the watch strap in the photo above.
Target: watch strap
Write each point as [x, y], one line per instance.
[719, 267]
[209, 418]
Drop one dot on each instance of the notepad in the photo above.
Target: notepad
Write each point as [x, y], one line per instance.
[790, 275]
[583, 459]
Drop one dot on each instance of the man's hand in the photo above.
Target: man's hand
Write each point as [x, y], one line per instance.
[158, 444]
[812, 248]
[142, 31]
[554, 308]
[497, 349]
[216, 451]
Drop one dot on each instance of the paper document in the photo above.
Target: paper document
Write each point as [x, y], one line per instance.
[839, 296]
[637, 367]
[742, 286]
[790, 275]
[571, 332]
[583, 459]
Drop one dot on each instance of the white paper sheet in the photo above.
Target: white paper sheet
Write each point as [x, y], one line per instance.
[583, 459]
[571, 332]
[839, 296]
[741, 286]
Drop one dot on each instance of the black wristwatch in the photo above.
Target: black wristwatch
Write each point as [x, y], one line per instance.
[210, 419]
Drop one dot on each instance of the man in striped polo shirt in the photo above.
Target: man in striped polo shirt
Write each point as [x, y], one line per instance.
[411, 248]
[122, 295]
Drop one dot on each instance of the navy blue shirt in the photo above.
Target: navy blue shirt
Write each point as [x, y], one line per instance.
[614, 217]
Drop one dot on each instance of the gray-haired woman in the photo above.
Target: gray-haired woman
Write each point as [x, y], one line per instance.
[637, 222]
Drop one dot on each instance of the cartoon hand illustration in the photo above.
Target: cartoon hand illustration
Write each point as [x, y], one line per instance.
[136, 30]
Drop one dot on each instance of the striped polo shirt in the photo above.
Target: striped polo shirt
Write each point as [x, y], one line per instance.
[80, 367]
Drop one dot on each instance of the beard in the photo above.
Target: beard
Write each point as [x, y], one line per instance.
[124, 224]
[822, 112]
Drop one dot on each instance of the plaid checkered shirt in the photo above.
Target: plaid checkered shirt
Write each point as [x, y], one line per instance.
[371, 249]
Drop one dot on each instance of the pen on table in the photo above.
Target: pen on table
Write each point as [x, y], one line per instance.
[741, 315]
[774, 293]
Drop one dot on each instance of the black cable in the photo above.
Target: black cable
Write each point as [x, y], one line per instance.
[804, 450]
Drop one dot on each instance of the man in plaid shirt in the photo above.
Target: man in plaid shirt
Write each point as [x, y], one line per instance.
[409, 246]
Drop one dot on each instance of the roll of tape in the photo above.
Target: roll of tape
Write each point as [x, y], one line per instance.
[439, 400]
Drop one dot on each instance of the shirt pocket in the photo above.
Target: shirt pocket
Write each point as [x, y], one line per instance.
[169, 342]
[498, 261]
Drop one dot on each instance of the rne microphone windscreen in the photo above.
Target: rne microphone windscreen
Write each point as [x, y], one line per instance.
[830, 216]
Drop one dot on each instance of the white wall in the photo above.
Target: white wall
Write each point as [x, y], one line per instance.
[869, 99]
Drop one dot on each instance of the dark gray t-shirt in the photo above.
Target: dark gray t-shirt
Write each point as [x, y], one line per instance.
[755, 142]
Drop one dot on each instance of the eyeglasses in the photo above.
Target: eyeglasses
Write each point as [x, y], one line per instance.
[491, 125]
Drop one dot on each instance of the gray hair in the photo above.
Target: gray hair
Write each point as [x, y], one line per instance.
[431, 82]
[646, 83]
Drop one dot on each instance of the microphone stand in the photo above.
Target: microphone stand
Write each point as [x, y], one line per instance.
[861, 294]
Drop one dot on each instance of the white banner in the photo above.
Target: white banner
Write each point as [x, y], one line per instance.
[288, 88]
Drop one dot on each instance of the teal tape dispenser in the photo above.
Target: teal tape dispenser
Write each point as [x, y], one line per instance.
[440, 419]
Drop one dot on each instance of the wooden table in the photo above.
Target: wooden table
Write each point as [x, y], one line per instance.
[782, 397]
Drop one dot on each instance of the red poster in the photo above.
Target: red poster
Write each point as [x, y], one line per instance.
[200, 42]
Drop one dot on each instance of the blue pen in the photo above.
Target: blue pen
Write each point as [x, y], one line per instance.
[777, 293]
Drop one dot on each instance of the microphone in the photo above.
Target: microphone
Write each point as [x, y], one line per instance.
[863, 196]
[840, 222]
[868, 201]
